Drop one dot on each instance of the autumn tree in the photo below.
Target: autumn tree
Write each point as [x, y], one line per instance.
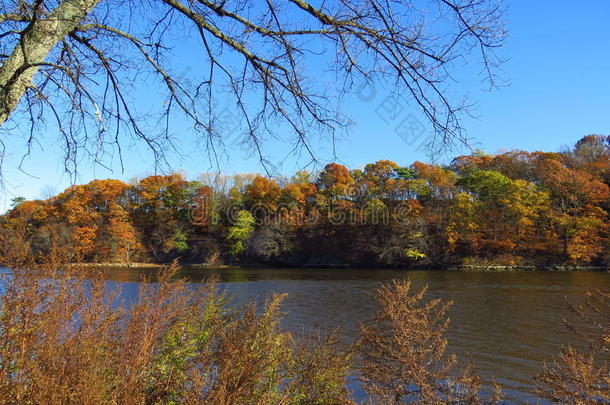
[405, 238]
[20, 230]
[336, 182]
[580, 222]
[161, 206]
[516, 164]
[591, 154]
[509, 209]
[297, 195]
[588, 150]
[464, 231]
[476, 160]
[440, 182]
[99, 223]
[379, 180]
[435, 188]
[262, 197]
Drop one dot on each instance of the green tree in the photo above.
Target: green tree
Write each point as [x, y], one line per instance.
[240, 232]
[16, 201]
[179, 241]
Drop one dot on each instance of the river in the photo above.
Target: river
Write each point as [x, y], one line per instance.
[507, 323]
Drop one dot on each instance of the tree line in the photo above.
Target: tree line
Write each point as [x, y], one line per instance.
[512, 208]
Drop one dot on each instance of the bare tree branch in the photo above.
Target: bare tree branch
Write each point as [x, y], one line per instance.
[80, 63]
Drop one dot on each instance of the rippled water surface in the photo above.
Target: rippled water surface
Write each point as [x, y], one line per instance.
[507, 323]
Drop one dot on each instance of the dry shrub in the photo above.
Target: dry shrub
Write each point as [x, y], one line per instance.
[403, 352]
[14, 243]
[65, 340]
[582, 377]
[320, 364]
[595, 313]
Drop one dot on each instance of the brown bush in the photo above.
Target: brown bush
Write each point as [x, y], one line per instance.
[64, 340]
[403, 352]
[582, 377]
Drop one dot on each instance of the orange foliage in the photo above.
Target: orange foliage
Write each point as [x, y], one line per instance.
[263, 194]
[539, 206]
[335, 181]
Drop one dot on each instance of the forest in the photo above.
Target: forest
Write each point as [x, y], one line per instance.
[511, 208]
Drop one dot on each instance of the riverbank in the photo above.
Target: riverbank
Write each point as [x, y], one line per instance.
[155, 265]
[457, 267]
[507, 268]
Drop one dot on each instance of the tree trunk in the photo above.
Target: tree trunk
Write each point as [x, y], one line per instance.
[37, 40]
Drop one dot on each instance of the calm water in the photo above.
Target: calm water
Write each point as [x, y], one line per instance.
[507, 323]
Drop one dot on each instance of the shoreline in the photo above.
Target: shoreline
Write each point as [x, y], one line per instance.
[347, 267]
[525, 268]
[138, 265]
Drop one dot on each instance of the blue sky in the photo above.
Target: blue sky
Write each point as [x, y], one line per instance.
[558, 71]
